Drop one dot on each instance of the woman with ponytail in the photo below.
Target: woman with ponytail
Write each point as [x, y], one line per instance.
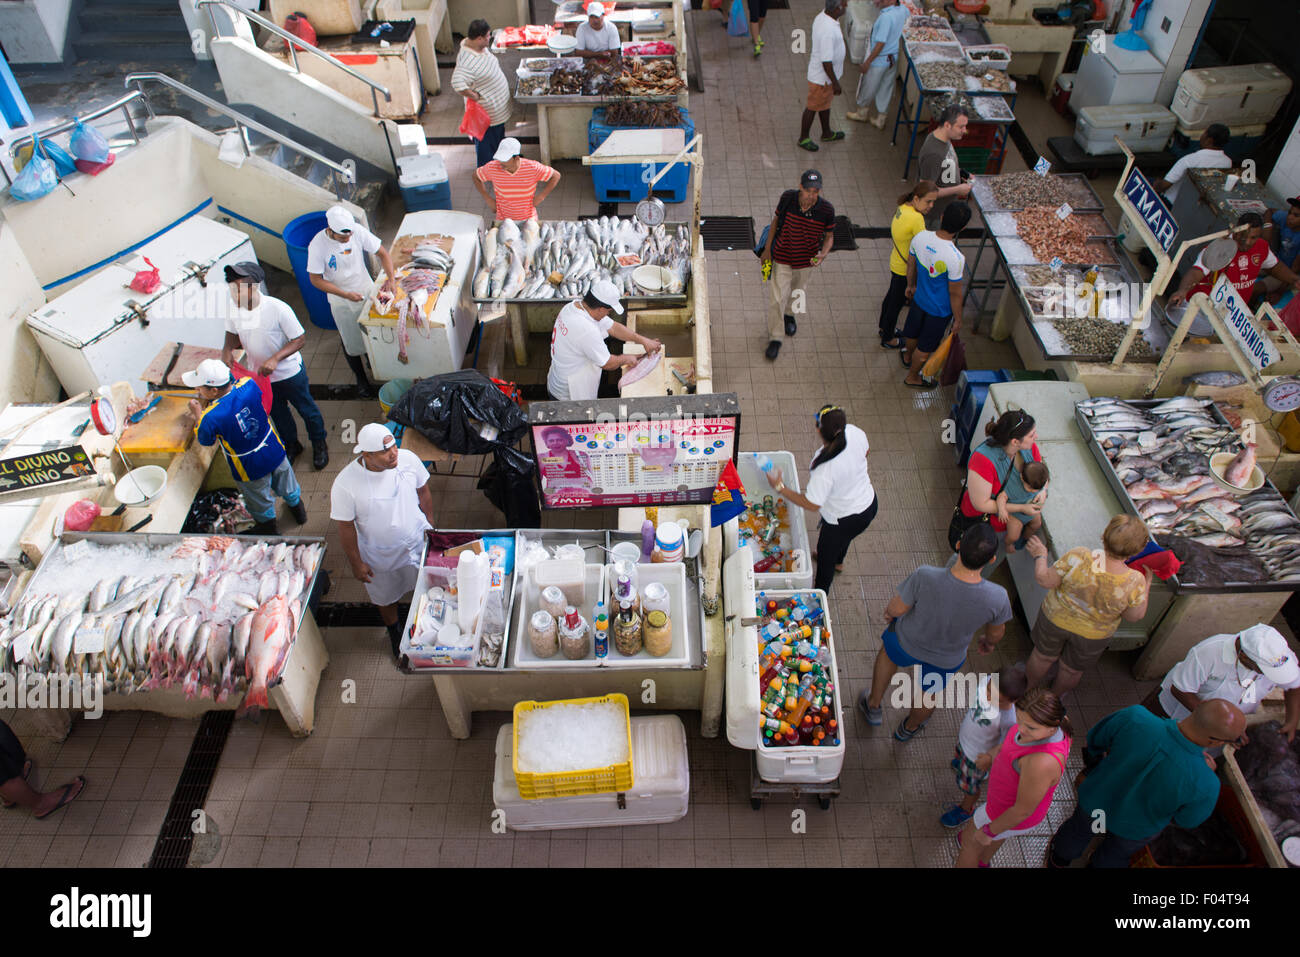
[1027, 767]
[1010, 440]
[838, 487]
[909, 219]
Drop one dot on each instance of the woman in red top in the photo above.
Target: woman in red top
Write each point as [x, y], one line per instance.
[986, 472]
[1027, 767]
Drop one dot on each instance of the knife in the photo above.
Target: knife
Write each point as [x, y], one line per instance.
[136, 416]
[176, 354]
[140, 524]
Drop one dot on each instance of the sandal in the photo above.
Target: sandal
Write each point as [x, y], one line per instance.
[67, 797]
[904, 733]
[894, 343]
[904, 358]
[833, 136]
[27, 773]
[927, 385]
[807, 144]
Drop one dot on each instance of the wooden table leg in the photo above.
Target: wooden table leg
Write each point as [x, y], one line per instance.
[518, 333]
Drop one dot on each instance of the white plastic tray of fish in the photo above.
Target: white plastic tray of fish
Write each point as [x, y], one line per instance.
[210, 615]
[1157, 452]
[520, 260]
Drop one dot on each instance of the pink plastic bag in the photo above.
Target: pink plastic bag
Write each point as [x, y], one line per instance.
[475, 123]
[147, 280]
[80, 516]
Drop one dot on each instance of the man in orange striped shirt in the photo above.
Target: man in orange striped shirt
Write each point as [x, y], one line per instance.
[514, 182]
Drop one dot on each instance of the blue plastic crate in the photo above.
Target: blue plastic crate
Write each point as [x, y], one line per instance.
[982, 377]
[627, 182]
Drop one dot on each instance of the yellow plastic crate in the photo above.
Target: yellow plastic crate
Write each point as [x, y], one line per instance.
[538, 784]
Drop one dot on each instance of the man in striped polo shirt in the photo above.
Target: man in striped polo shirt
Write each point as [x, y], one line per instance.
[478, 77]
[514, 182]
[798, 238]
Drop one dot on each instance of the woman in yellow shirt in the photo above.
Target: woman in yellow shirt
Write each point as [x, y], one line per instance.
[907, 222]
[1089, 592]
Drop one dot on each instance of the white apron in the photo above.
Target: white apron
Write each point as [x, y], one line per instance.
[346, 313]
[391, 539]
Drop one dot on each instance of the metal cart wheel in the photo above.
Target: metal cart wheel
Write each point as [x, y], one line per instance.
[824, 803]
[756, 803]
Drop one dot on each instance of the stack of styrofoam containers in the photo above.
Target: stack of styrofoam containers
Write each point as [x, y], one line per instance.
[423, 181]
[1244, 98]
[411, 140]
[660, 791]
[806, 764]
[756, 486]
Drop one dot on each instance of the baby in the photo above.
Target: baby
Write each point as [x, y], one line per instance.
[1022, 485]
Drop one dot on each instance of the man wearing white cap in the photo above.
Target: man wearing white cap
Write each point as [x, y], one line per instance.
[596, 36]
[382, 505]
[1241, 668]
[231, 412]
[578, 351]
[336, 263]
[514, 182]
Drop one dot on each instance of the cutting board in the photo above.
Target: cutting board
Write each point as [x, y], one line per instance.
[189, 359]
[167, 430]
[404, 246]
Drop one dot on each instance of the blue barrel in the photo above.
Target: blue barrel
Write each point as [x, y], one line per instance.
[297, 235]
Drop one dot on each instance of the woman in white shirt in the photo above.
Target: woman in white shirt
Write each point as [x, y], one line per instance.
[838, 487]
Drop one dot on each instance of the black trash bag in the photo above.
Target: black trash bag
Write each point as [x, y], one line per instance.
[450, 411]
[220, 511]
[508, 485]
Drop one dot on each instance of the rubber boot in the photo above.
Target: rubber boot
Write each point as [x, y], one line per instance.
[358, 368]
[395, 638]
[264, 528]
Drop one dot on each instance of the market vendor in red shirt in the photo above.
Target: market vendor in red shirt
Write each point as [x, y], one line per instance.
[1253, 257]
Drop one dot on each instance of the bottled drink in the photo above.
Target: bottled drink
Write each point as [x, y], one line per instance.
[764, 462]
[806, 730]
[602, 631]
[806, 692]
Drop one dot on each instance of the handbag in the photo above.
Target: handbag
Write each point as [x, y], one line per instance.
[781, 208]
[956, 363]
[960, 521]
[738, 25]
[475, 122]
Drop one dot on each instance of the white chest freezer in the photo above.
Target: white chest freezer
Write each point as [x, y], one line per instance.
[1144, 128]
[792, 542]
[780, 764]
[440, 347]
[660, 791]
[102, 331]
[1238, 96]
[1113, 75]
[858, 21]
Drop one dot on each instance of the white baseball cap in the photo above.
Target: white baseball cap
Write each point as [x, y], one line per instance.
[211, 373]
[1265, 645]
[595, 9]
[340, 220]
[608, 293]
[508, 149]
[373, 437]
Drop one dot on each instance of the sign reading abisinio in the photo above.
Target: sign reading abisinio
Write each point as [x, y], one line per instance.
[44, 468]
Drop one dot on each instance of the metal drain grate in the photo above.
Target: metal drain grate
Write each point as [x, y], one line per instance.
[172, 849]
[728, 232]
[843, 234]
[353, 614]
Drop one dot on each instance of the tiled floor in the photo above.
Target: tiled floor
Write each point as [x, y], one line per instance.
[382, 783]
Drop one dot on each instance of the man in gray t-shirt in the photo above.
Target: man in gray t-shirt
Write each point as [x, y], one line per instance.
[937, 161]
[932, 619]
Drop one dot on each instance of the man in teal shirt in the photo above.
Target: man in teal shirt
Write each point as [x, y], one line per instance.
[1144, 773]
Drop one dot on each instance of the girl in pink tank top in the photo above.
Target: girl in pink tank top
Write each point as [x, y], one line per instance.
[1026, 770]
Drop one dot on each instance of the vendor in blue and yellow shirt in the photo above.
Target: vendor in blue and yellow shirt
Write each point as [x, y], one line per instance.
[231, 412]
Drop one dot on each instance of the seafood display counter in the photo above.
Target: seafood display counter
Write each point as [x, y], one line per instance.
[173, 624]
[539, 659]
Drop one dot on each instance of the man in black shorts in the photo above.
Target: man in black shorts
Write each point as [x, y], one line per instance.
[934, 272]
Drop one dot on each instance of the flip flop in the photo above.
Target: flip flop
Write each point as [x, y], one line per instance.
[833, 136]
[904, 358]
[67, 797]
[27, 773]
[927, 385]
[807, 144]
[894, 343]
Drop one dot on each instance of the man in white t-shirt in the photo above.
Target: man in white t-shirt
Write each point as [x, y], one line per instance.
[336, 264]
[578, 351]
[597, 36]
[382, 505]
[1209, 156]
[825, 64]
[272, 339]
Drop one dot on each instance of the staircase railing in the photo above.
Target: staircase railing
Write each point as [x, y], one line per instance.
[242, 123]
[123, 104]
[295, 43]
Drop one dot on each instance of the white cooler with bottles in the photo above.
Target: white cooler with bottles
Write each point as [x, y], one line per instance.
[795, 541]
[784, 764]
[660, 792]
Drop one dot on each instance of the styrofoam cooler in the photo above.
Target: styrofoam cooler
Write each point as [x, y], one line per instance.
[1144, 128]
[858, 21]
[799, 764]
[756, 486]
[660, 792]
[1243, 95]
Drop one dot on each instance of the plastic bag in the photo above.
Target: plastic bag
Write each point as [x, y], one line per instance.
[299, 26]
[147, 280]
[80, 516]
[94, 169]
[37, 178]
[64, 164]
[738, 26]
[475, 122]
[450, 410]
[88, 144]
[263, 383]
[956, 363]
[934, 364]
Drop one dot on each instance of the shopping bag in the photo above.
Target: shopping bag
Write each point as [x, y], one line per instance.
[263, 383]
[37, 178]
[934, 364]
[94, 169]
[762, 241]
[88, 144]
[475, 123]
[147, 280]
[56, 154]
[956, 363]
[1290, 314]
[738, 26]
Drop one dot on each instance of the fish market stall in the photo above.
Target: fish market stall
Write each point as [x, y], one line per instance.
[427, 327]
[1206, 205]
[196, 623]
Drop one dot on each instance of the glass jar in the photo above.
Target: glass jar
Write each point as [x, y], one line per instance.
[543, 635]
[575, 635]
[657, 633]
[626, 630]
[552, 601]
[654, 597]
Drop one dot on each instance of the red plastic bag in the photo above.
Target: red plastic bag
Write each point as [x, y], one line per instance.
[80, 516]
[94, 169]
[511, 391]
[296, 23]
[263, 383]
[147, 280]
[475, 123]
[1290, 315]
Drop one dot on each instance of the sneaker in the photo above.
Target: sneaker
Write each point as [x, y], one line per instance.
[903, 733]
[773, 349]
[858, 117]
[833, 136]
[955, 816]
[299, 512]
[880, 121]
[956, 765]
[758, 48]
[320, 455]
[874, 716]
[791, 327]
[807, 144]
[293, 451]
